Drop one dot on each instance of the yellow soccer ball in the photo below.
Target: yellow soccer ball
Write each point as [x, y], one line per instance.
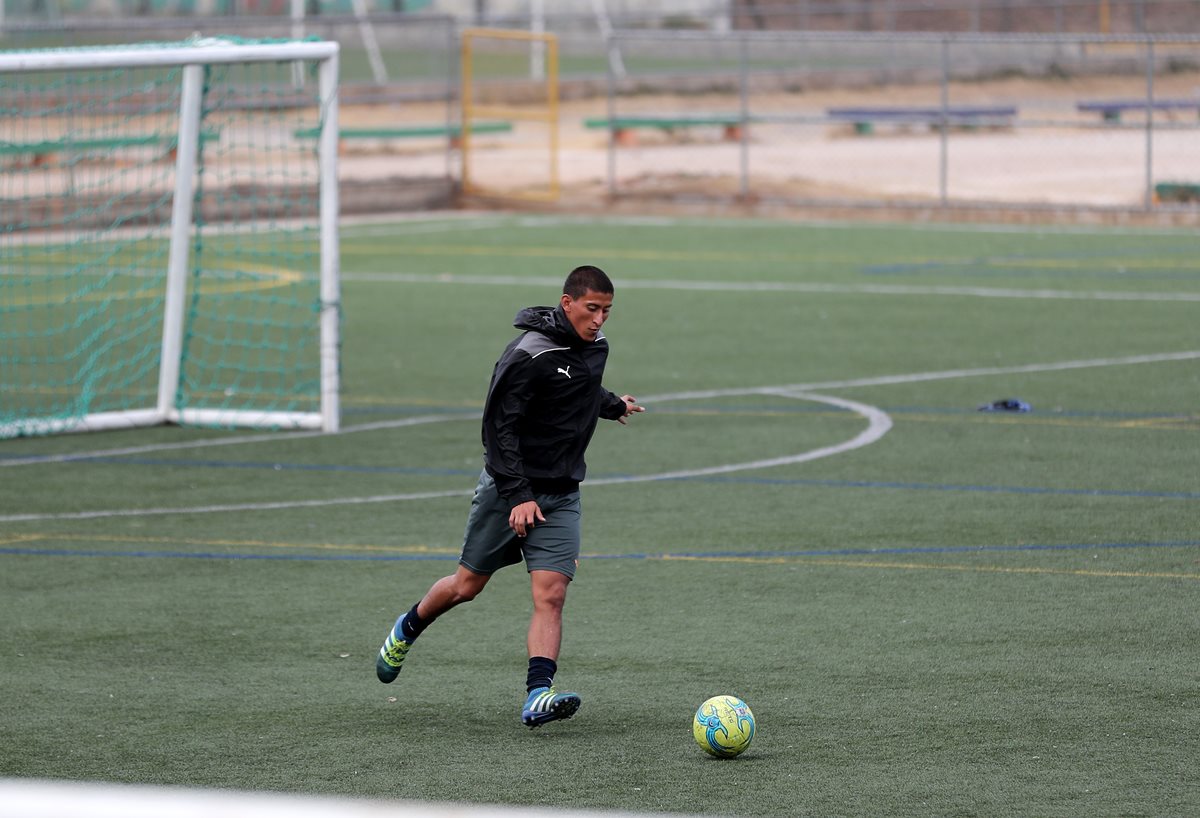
[723, 726]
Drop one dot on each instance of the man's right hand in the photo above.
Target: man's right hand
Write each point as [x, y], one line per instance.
[523, 517]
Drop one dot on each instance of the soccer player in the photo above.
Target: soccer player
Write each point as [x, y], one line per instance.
[542, 407]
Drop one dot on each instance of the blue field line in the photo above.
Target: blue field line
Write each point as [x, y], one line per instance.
[907, 486]
[213, 555]
[686, 555]
[900, 550]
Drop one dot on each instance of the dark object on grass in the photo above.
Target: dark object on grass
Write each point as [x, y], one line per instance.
[1006, 405]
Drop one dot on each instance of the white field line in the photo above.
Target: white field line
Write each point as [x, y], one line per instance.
[222, 509]
[541, 222]
[906, 227]
[874, 430]
[268, 437]
[882, 380]
[788, 287]
[369, 227]
[878, 424]
[918, 377]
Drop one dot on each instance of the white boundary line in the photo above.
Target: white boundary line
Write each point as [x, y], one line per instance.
[231, 507]
[271, 437]
[515, 219]
[882, 380]
[786, 287]
[947, 374]
[878, 425]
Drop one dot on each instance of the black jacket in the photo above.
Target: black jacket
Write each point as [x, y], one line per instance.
[542, 406]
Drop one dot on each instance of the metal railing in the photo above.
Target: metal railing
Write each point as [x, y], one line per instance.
[1065, 96]
[780, 88]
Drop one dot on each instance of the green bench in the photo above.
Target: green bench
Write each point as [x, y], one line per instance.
[624, 128]
[454, 132]
[41, 150]
[1177, 192]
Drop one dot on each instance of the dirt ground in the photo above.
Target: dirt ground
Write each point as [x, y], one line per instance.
[1056, 156]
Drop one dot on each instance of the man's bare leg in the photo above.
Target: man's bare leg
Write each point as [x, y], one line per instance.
[543, 703]
[461, 586]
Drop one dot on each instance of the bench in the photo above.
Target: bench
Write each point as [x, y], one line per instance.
[409, 132]
[40, 151]
[624, 128]
[959, 116]
[1177, 192]
[1111, 110]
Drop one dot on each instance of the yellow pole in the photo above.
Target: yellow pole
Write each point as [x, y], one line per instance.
[1105, 17]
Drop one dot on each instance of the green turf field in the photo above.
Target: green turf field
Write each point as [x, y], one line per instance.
[932, 610]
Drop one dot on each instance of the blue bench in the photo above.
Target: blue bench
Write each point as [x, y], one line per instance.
[1110, 110]
[958, 116]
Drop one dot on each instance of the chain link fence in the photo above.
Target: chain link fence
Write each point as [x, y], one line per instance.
[880, 16]
[1024, 122]
[1018, 122]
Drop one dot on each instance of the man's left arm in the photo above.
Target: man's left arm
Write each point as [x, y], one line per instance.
[618, 407]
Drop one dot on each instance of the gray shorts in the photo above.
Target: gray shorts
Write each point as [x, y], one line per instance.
[489, 544]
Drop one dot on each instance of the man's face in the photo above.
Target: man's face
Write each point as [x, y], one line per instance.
[588, 312]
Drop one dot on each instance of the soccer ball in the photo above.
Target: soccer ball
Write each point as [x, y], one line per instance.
[723, 726]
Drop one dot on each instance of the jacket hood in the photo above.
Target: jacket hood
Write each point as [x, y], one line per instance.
[550, 321]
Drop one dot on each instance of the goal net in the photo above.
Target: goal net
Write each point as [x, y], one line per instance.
[168, 236]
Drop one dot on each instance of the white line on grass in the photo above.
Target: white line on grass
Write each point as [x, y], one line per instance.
[372, 228]
[270, 437]
[881, 380]
[218, 509]
[787, 287]
[947, 374]
[878, 425]
[541, 222]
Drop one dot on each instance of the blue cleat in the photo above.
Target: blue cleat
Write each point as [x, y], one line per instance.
[545, 704]
[391, 655]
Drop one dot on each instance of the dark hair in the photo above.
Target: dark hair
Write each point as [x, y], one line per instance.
[585, 278]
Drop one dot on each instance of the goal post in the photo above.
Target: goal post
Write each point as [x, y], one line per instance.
[168, 244]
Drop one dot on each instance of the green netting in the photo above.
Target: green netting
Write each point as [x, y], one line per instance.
[87, 178]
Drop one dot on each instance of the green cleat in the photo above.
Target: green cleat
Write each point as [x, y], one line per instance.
[391, 655]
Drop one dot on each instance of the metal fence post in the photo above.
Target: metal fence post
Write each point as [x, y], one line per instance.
[453, 90]
[1149, 197]
[744, 130]
[612, 117]
[944, 138]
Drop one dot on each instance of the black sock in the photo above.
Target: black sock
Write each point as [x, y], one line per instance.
[541, 673]
[413, 624]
